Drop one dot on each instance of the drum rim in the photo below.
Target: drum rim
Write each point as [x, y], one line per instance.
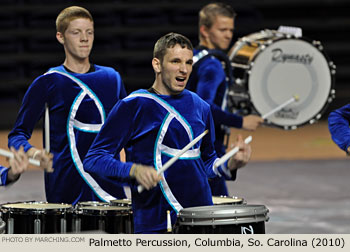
[121, 202]
[91, 203]
[331, 94]
[104, 210]
[220, 211]
[62, 207]
[226, 218]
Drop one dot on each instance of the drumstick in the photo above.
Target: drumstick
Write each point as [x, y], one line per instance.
[9, 154]
[47, 129]
[291, 100]
[177, 156]
[232, 152]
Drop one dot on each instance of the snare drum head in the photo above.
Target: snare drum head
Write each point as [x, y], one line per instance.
[218, 200]
[222, 214]
[287, 68]
[35, 207]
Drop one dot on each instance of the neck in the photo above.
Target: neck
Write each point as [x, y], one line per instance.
[159, 89]
[77, 66]
[206, 44]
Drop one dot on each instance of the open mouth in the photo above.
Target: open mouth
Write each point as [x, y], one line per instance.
[180, 79]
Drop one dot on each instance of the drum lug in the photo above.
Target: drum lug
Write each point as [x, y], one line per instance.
[37, 226]
[63, 226]
[10, 226]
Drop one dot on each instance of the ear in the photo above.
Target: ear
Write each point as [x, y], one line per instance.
[156, 65]
[204, 31]
[60, 37]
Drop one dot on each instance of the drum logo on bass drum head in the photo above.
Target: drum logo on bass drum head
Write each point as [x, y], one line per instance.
[279, 56]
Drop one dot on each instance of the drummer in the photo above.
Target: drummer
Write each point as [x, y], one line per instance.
[18, 164]
[210, 80]
[78, 95]
[154, 125]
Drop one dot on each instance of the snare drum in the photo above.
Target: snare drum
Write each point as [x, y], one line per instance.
[271, 67]
[37, 217]
[103, 218]
[224, 200]
[222, 219]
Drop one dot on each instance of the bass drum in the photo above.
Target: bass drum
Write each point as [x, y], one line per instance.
[271, 67]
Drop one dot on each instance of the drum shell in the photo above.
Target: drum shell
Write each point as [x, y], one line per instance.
[50, 217]
[103, 219]
[226, 219]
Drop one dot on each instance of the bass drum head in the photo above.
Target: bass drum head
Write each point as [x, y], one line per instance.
[287, 68]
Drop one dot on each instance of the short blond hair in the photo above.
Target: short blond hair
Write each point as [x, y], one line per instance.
[68, 15]
[209, 12]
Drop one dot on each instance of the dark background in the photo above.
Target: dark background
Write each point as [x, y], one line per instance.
[126, 30]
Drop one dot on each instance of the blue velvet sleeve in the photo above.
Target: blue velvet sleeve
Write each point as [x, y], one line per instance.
[338, 124]
[210, 76]
[209, 155]
[31, 111]
[113, 136]
[3, 175]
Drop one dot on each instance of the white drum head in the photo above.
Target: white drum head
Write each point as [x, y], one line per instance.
[286, 68]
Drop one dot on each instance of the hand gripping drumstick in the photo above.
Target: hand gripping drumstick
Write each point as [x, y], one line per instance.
[9, 154]
[47, 129]
[278, 108]
[232, 152]
[177, 156]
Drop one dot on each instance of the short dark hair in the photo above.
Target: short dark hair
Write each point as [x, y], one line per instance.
[169, 41]
[210, 11]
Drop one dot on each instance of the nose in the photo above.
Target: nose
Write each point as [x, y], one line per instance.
[183, 68]
[84, 36]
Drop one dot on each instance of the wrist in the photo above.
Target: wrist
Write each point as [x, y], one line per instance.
[133, 171]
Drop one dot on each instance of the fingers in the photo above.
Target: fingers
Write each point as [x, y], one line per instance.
[147, 176]
[242, 156]
[19, 163]
[46, 160]
[252, 122]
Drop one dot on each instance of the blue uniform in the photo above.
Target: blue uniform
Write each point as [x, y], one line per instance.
[338, 124]
[153, 129]
[78, 105]
[210, 81]
[3, 175]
